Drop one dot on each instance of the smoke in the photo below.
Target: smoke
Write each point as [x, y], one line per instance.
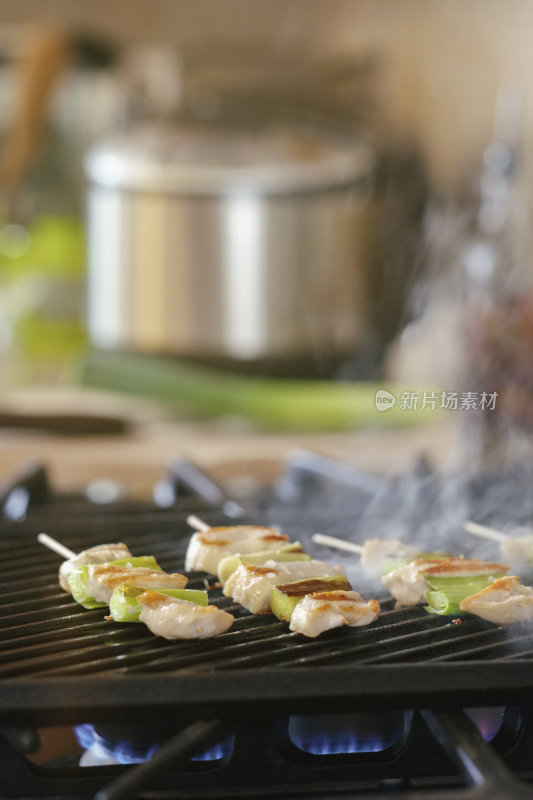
[421, 506]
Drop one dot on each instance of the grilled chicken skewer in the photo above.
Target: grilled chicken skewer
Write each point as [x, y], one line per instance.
[92, 582]
[249, 581]
[95, 584]
[437, 578]
[99, 554]
[410, 584]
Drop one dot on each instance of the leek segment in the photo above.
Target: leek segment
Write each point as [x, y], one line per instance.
[124, 606]
[291, 552]
[446, 593]
[78, 579]
[285, 597]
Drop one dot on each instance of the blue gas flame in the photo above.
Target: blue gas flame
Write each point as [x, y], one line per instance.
[336, 734]
[124, 752]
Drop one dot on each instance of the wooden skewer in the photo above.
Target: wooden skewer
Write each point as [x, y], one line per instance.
[484, 532]
[56, 546]
[197, 523]
[340, 544]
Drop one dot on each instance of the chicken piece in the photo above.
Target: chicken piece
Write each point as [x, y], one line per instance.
[382, 555]
[250, 585]
[207, 548]
[179, 619]
[93, 555]
[321, 611]
[104, 579]
[518, 549]
[408, 586]
[504, 601]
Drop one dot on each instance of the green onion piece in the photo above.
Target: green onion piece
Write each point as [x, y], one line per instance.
[446, 593]
[388, 564]
[78, 579]
[124, 607]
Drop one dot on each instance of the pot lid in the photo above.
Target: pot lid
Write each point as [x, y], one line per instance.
[198, 160]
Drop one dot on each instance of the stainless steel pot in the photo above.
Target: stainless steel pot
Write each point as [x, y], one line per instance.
[211, 243]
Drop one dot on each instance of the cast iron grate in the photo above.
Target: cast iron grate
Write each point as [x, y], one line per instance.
[44, 633]
[49, 645]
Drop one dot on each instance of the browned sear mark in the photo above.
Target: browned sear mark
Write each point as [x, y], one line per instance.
[275, 537]
[214, 542]
[253, 570]
[311, 586]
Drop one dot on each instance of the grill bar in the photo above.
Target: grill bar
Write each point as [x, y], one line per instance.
[119, 698]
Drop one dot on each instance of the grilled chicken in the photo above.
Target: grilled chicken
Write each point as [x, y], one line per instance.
[321, 611]
[382, 555]
[518, 549]
[104, 579]
[504, 601]
[250, 585]
[408, 586]
[179, 619]
[99, 554]
[207, 548]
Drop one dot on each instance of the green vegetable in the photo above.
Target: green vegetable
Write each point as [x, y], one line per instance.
[285, 597]
[270, 402]
[124, 607]
[78, 579]
[446, 593]
[290, 552]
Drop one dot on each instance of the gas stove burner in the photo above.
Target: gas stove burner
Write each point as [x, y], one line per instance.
[344, 734]
[126, 744]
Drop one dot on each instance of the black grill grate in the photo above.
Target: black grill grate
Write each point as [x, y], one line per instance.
[57, 658]
[47, 639]
[45, 633]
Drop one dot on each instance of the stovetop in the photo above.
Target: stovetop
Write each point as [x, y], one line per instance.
[278, 714]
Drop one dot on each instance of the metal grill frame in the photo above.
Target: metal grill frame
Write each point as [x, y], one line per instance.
[197, 692]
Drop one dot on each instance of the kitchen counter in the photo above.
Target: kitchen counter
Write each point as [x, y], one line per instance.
[233, 453]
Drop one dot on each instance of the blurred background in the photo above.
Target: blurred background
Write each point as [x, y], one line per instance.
[229, 206]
